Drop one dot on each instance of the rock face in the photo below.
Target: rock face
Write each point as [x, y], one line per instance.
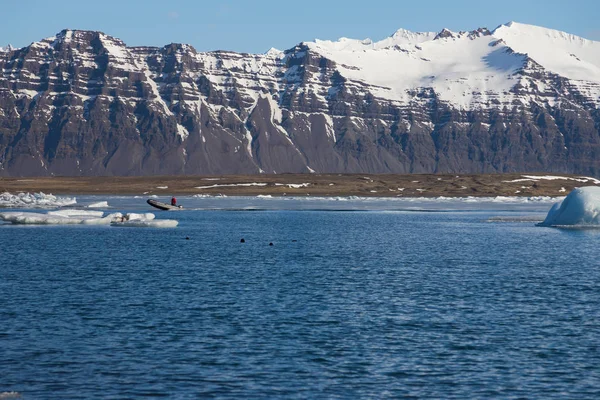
[83, 103]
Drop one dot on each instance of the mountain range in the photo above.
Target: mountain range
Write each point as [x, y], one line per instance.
[519, 98]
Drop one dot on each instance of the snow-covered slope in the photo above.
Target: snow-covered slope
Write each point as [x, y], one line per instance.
[567, 55]
[466, 69]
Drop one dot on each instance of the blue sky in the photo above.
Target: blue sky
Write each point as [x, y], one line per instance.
[256, 25]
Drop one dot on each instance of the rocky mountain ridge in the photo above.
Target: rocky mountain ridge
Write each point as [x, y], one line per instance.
[516, 99]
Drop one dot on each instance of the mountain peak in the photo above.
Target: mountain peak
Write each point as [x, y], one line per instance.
[68, 36]
[273, 52]
[444, 34]
[403, 36]
[479, 32]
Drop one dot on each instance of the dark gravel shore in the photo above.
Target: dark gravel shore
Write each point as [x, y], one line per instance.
[389, 185]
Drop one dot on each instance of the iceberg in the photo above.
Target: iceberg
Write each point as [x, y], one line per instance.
[580, 208]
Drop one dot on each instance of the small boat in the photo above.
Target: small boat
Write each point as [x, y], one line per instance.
[163, 206]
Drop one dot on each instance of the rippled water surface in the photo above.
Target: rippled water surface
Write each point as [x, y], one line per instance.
[343, 304]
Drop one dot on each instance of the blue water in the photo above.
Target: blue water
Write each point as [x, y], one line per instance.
[363, 304]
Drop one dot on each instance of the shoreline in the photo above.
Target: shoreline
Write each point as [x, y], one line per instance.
[329, 185]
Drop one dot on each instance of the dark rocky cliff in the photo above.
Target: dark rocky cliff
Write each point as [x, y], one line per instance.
[82, 103]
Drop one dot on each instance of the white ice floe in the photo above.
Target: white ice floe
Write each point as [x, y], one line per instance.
[100, 204]
[34, 200]
[580, 208]
[69, 213]
[146, 220]
[145, 223]
[52, 218]
[137, 217]
[101, 220]
[85, 217]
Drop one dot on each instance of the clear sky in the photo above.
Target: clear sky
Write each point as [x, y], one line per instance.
[256, 25]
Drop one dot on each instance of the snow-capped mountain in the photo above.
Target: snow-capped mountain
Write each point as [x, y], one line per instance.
[518, 98]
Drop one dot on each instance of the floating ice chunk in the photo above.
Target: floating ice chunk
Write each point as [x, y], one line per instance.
[61, 217]
[103, 220]
[580, 207]
[146, 220]
[76, 213]
[30, 218]
[34, 200]
[134, 216]
[147, 223]
[100, 204]
[85, 217]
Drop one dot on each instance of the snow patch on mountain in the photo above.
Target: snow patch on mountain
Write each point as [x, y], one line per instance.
[118, 52]
[467, 69]
[562, 53]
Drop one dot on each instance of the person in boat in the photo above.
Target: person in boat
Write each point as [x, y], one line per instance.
[173, 201]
